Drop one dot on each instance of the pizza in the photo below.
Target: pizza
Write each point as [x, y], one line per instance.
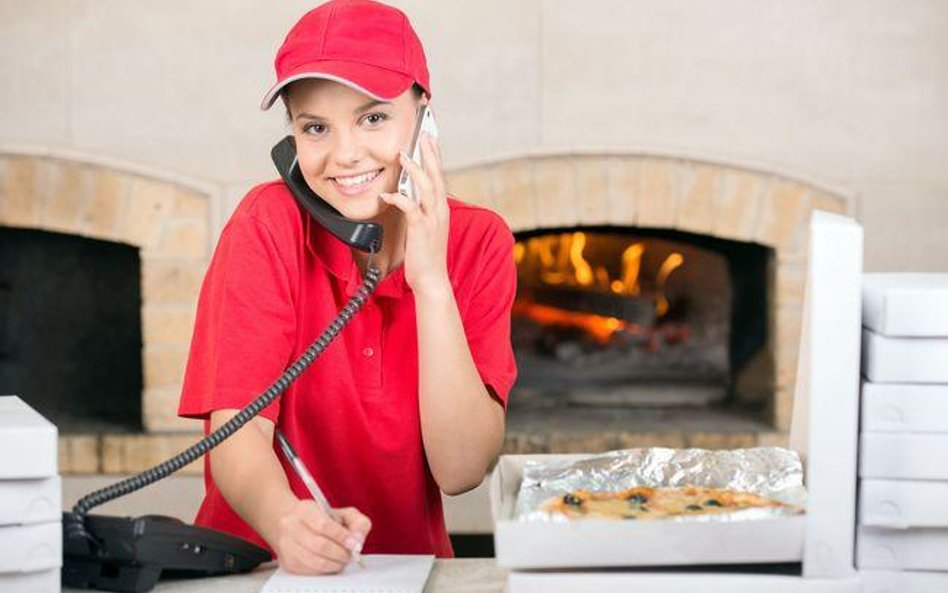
[658, 503]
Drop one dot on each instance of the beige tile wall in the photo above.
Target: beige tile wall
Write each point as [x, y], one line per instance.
[853, 95]
[848, 93]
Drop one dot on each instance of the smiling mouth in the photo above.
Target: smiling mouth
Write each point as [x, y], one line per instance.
[352, 184]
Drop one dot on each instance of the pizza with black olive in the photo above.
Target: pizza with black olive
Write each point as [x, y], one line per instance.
[657, 503]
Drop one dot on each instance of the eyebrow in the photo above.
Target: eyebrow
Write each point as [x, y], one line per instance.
[371, 104]
[361, 109]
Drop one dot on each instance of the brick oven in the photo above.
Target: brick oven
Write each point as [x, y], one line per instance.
[168, 221]
[731, 235]
[691, 274]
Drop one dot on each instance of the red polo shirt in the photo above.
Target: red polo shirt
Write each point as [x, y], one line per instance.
[275, 281]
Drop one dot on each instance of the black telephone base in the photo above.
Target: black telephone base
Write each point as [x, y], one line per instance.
[131, 553]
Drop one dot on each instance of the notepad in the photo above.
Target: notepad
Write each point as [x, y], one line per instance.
[382, 574]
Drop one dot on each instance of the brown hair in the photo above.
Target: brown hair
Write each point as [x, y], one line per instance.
[416, 90]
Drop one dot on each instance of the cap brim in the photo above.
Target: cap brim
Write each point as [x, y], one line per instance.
[378, 83]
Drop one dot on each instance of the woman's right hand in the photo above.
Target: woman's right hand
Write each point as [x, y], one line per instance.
[308, 541]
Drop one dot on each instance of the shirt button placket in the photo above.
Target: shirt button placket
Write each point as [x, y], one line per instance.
[370, 352]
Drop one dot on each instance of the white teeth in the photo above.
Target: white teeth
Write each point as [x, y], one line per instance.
[357, 179]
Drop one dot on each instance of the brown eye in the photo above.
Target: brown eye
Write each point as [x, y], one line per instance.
[637, 499]
[712, 503]
[572, 500]
[314, 128]
[692, 507]
[374, 119]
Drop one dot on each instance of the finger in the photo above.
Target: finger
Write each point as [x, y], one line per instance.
[419, 180]
[295, 559]
[322, 525]
[300, 556]
[355, 522]
[323, 536]
[318, 545]
[432, 168]
[329, 549]
[407, 205]
[437, 151]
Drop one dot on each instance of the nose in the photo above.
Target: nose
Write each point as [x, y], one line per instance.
[347, 148]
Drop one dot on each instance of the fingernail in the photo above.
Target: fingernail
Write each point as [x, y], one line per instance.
[353, 545]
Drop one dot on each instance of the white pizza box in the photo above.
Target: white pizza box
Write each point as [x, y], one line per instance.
[904, 360]
[28, 442]
[903, 581]
[900, 407]
[907, 305]
[903, 503]
[824, 429]
[825, 422]
[903, 456]
[606, 543]
[23, 502]
[673, 582]
[902, 549]
[41, 581]
[29, 548]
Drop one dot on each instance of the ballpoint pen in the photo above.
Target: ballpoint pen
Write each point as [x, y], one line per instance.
[297, 464]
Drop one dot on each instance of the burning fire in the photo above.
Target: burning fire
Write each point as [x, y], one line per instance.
[560, 261]
[599, 327]
[671, 263]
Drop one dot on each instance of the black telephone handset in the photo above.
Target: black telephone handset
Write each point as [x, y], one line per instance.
[366, 236]
[130, 554]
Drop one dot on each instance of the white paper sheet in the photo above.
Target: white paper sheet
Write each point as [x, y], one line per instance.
[382, 574]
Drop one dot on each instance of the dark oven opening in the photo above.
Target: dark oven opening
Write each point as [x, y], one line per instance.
[70, 329]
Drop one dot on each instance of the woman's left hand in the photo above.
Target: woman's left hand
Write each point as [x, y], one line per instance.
[426, 242]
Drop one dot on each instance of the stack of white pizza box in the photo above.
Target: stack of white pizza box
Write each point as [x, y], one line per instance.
[902, 538]
[30, 500]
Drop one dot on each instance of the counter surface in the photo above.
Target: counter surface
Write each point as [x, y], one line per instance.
[466, 575]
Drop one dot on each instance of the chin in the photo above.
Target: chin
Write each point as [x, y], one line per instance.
[362, 210]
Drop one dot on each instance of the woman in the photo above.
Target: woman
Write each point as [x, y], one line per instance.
[409, 400]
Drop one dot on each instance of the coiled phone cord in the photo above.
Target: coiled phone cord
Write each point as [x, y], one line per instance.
[75, 522]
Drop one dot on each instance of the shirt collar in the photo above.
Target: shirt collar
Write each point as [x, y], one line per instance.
[337, 257]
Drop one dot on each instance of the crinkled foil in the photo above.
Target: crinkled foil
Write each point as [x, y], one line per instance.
[768, 471]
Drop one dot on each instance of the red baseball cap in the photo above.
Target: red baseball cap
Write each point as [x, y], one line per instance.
[365, 45]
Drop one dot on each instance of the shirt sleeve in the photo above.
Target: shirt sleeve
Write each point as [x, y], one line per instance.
[245, 325]
[487, 318]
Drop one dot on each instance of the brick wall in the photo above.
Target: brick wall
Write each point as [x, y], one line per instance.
[170, 222]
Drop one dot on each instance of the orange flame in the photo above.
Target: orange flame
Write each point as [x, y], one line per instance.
[671, 263]
[631, 267]
[560, 260]
[599, 327]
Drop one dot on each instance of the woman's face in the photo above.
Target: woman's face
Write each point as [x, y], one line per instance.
[348, 143]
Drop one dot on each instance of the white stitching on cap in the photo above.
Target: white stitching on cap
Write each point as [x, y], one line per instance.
[270, 98]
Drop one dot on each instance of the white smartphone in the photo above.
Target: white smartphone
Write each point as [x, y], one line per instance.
[425, 123]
